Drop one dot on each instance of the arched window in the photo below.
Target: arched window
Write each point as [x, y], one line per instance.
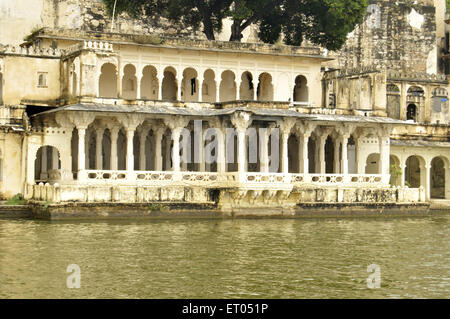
[301, 89]
[149, 83]
[169, 85]
[265, 87]
[46, 163]
[227, 87]
[108, 81]
[129, 82]
[411, 112]
[416, 91]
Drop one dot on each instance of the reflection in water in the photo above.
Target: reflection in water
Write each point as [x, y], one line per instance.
[316, 258]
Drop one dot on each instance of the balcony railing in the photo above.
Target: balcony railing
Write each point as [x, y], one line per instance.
[226, 180]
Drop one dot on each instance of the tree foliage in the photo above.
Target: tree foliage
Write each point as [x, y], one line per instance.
[323, 22]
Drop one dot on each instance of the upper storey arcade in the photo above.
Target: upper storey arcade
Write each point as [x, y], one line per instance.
[120, 69]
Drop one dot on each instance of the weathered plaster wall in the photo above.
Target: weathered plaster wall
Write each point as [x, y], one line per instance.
[11, 169]
[19, 68]
[399, 35]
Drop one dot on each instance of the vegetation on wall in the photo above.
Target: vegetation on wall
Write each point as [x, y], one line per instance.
[323, 22]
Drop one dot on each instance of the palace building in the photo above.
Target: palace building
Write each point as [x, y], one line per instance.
[94, 116]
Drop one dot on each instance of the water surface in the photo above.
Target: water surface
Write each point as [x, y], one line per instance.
[314, 258]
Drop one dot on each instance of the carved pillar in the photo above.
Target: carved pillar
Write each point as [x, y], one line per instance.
[176, 125]
[200, 88]
[264, 149]
[55, 159]
[142, 155]
[158, 148]
[427, 181]
[98, 148]
[130, 149]
[322, 142]
[344, 162]
[81, 121]
[403, 176]
[285, 127]
[304, 131]
[238, 89]
[179, 84]
[138, 85]
[81, 153]
[160, 85]
[255, 89]
[217, 91]
[44, 161]
[337, 160]
[114, 136]
[241, 122]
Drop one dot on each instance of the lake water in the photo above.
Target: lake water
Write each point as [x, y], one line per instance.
[311, 258]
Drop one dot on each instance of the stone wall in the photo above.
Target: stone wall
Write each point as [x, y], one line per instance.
[398, 35]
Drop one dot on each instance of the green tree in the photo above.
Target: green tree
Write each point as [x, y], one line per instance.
[323, 22]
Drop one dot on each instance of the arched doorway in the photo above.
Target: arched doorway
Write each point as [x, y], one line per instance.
[414, 174]
[437, 181]
[395, 171]
[372, 164]
[46, 164]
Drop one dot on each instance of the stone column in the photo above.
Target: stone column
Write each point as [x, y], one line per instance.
[81, 154]
[176, 133]
[238, 89]
[176, 125]
[304, 131]
[55, 158]
[158, 148]
[322, 142]
[403, 176]
[130, 149]
[87, 148]
[284, 153]
[428, 182]
[384, 154]
[119, 80]
[264, 150]
[179, 84]
[217, 91]
[255, 89]
[160, 85]
[337, 161]
[447, 182]
[142, 155]
[98, 148]
[44, 161]
[344, 162]
[241, 122]
[200, 88]
[114, 160]
[285, 130]
[138, 85]
[221, 160]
